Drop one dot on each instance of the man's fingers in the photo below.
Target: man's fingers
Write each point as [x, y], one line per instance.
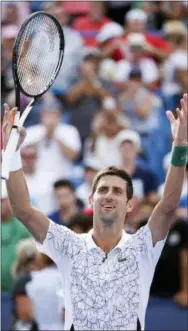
[6, 110]
[6, 107]
[9, 114]
[12, 114]
[170, 116]
[180, 115]
[184, 103]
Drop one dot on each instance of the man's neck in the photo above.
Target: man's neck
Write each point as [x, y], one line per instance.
[106, 242]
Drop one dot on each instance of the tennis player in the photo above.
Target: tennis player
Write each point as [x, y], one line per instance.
[106, 274]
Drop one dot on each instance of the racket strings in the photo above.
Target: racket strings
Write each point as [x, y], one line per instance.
[38, 54]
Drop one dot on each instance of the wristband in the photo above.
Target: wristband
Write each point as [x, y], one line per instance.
[179, 156]
[16, 163]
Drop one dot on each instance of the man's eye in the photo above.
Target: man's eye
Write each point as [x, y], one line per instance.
[118, 192]
[102, 189]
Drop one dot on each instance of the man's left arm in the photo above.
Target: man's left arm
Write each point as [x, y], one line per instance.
[164, 212]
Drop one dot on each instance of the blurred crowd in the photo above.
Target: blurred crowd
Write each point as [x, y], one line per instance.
[125, 64]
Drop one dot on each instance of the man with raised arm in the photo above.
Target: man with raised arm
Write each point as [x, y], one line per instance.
[106, 273]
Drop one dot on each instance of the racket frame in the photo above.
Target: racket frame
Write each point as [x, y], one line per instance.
[19, 120]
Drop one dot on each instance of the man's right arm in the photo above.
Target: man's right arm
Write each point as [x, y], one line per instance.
[34, 220]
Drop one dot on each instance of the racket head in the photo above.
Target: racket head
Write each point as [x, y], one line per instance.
[37, 54]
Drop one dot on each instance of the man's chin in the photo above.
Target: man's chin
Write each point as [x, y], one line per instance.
[108, 220]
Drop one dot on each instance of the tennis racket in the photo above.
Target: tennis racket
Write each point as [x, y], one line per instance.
[36, 60]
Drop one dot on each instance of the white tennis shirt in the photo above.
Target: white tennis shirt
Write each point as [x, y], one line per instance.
[103, 293]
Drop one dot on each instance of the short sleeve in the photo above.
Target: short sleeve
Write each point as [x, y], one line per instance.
[60, 242]
[147, 252]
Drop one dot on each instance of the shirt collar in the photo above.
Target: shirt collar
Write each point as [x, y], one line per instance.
[91, 244]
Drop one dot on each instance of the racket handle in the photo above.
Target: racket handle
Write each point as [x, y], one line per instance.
[10, 149]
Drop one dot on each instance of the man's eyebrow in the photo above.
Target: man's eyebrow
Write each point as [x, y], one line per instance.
[118, 188]
[114, 187]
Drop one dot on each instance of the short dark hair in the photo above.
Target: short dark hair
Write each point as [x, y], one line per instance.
[114, 171]
[64, 183]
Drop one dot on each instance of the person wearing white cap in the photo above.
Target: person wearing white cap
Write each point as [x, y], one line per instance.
[105, 37]
[145, 182]
[136, 58]
[108, 31]
[136, 22]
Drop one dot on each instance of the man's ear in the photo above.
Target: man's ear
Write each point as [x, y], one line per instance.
[130, 206]
[91, 200]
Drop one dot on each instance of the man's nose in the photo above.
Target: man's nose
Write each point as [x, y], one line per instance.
[109, 195]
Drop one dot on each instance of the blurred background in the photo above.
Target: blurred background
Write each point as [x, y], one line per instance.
[125, 64]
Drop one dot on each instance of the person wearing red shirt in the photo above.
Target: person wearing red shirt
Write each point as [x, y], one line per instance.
[90, 25]
[135, 22]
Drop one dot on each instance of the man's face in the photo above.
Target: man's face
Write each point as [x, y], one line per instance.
[110, 203]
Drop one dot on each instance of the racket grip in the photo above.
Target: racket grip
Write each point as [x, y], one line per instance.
[9, 153]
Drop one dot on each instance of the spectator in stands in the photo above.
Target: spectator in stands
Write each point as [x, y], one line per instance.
[136, 59]
[27, 260]
[14, 12]
[39, 182]
[102, 144]
[136, 22]
[12, 231]
[42, 291]
[73, 50]
[106, 35]
[91, 167]
[90, 25]
[175, 67]
[145, 182]
[86, 93]
[58, 144]
[140, 106]
[160, 11]
[67, 203]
